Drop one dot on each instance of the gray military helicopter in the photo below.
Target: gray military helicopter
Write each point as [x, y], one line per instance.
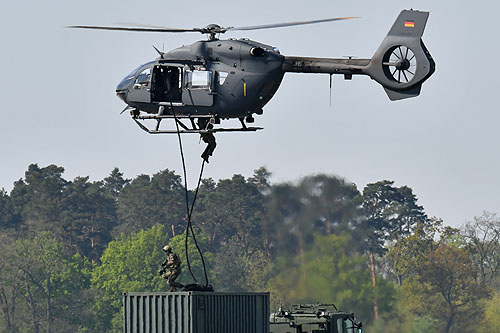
[214, 79]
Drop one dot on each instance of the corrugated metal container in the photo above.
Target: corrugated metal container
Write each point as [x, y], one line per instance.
[195, 312]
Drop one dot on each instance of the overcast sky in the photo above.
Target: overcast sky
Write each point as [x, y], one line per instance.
[58, 104]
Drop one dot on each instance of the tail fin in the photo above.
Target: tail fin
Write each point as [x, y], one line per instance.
[402, 63]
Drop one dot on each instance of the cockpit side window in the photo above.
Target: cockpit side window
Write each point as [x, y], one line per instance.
[143, 79]
[198, 79]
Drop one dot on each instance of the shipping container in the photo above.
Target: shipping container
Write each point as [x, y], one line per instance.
[195, 312]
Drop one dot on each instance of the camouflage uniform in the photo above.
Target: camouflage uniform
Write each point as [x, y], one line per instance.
[208, 138]
[171, 268]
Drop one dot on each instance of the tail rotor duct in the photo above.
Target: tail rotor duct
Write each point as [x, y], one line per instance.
[400, 64]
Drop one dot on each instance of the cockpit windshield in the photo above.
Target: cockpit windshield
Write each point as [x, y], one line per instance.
[148, 64]
[124, 84]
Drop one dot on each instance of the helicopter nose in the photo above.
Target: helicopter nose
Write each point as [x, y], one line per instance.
[121, 94]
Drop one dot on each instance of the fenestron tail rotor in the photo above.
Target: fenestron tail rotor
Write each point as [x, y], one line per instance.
[400, 63]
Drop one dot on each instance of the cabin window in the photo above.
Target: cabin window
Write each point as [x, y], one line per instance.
[198, 79]
[222, 77]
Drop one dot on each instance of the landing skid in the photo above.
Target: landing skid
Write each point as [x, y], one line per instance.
[183, 128]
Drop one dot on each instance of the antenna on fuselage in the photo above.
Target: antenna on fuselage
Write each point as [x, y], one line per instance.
[162, 54]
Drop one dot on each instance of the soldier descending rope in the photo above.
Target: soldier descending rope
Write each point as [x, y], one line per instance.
[171, 268]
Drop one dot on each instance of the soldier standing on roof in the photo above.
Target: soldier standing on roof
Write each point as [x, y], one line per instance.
[171, 268]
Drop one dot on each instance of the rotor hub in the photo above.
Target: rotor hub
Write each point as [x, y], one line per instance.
[212, 30]
[213, 27]
[403, 64]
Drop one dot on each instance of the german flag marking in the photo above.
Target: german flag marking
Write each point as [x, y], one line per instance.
[410, 24]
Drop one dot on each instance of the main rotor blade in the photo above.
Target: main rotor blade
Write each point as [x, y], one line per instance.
[144, 29]
[288, 24]
[141, 25]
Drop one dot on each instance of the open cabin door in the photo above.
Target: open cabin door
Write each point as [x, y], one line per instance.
[166, 84]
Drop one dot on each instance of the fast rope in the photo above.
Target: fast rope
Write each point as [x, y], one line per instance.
[191, 225]
[189, 210]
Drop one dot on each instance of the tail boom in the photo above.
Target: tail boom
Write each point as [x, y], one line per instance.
[401, 64]
[325, 65]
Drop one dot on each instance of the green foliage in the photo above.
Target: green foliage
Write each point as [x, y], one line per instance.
[88, 216]
[178, 246]
[423, 324]
[402, 319]
[51, 282]
[444, 287]
[390, 213]
[258, 270]
[145, 202]
[114, 183]
[410, 251]
[482, 240]
[80, 214]
[318, 203]
[417, 325]
[10, 285]
[304, 242]
[39, 198]
[233, 209]
[128, 264]
[234, 270]
[379, 203]
[229, 268]
[491, 322]
[6, 211]
[326, 273]
[260, 179]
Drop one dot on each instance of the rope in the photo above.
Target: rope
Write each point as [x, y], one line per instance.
[186, 194]
[189, 211]
[191, 225]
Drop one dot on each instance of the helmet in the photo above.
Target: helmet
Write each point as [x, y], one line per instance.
[167, 248]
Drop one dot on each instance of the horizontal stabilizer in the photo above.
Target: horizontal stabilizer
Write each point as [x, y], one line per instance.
[395, 95]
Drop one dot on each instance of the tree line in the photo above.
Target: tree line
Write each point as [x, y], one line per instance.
[69, 248]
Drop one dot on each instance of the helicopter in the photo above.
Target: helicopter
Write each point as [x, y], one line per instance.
[216, 79]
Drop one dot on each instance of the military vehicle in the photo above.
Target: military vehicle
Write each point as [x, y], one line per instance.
[313, 318]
